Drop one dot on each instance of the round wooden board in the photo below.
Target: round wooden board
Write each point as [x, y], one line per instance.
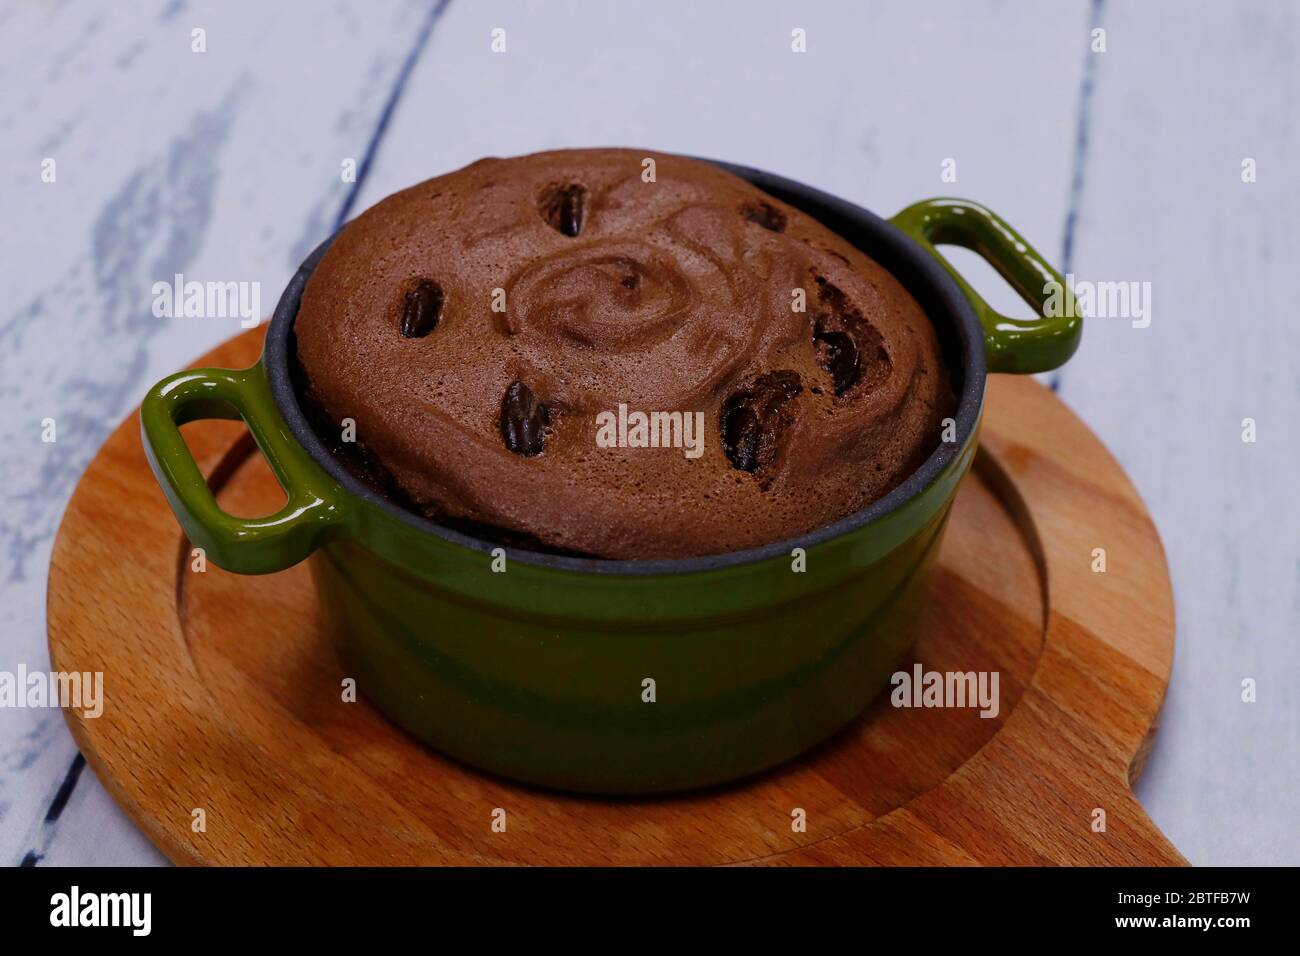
[221, 695]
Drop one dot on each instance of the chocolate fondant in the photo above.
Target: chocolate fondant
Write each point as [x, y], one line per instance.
[495, 334]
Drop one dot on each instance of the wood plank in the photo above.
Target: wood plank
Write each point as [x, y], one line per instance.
[1184, 93]
[224, 166]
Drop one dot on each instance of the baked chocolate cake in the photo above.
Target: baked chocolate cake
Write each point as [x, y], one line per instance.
[588, 353]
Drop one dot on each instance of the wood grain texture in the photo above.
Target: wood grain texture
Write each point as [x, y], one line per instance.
[222, 166]
[1186, 93]
[221, 694]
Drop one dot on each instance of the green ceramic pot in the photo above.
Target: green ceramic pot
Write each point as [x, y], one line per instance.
[618, 676]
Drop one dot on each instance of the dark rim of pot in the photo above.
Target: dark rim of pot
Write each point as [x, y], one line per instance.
[919, 272]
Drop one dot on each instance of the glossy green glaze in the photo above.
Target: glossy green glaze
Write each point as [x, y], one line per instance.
[599, 676]
[1010, 345]
[540, 674]
[315, 507]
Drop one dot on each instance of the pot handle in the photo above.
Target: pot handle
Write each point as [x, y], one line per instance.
[313, 512]
[1010, 345]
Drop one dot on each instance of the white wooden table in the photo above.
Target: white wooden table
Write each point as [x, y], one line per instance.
[1121, 165]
